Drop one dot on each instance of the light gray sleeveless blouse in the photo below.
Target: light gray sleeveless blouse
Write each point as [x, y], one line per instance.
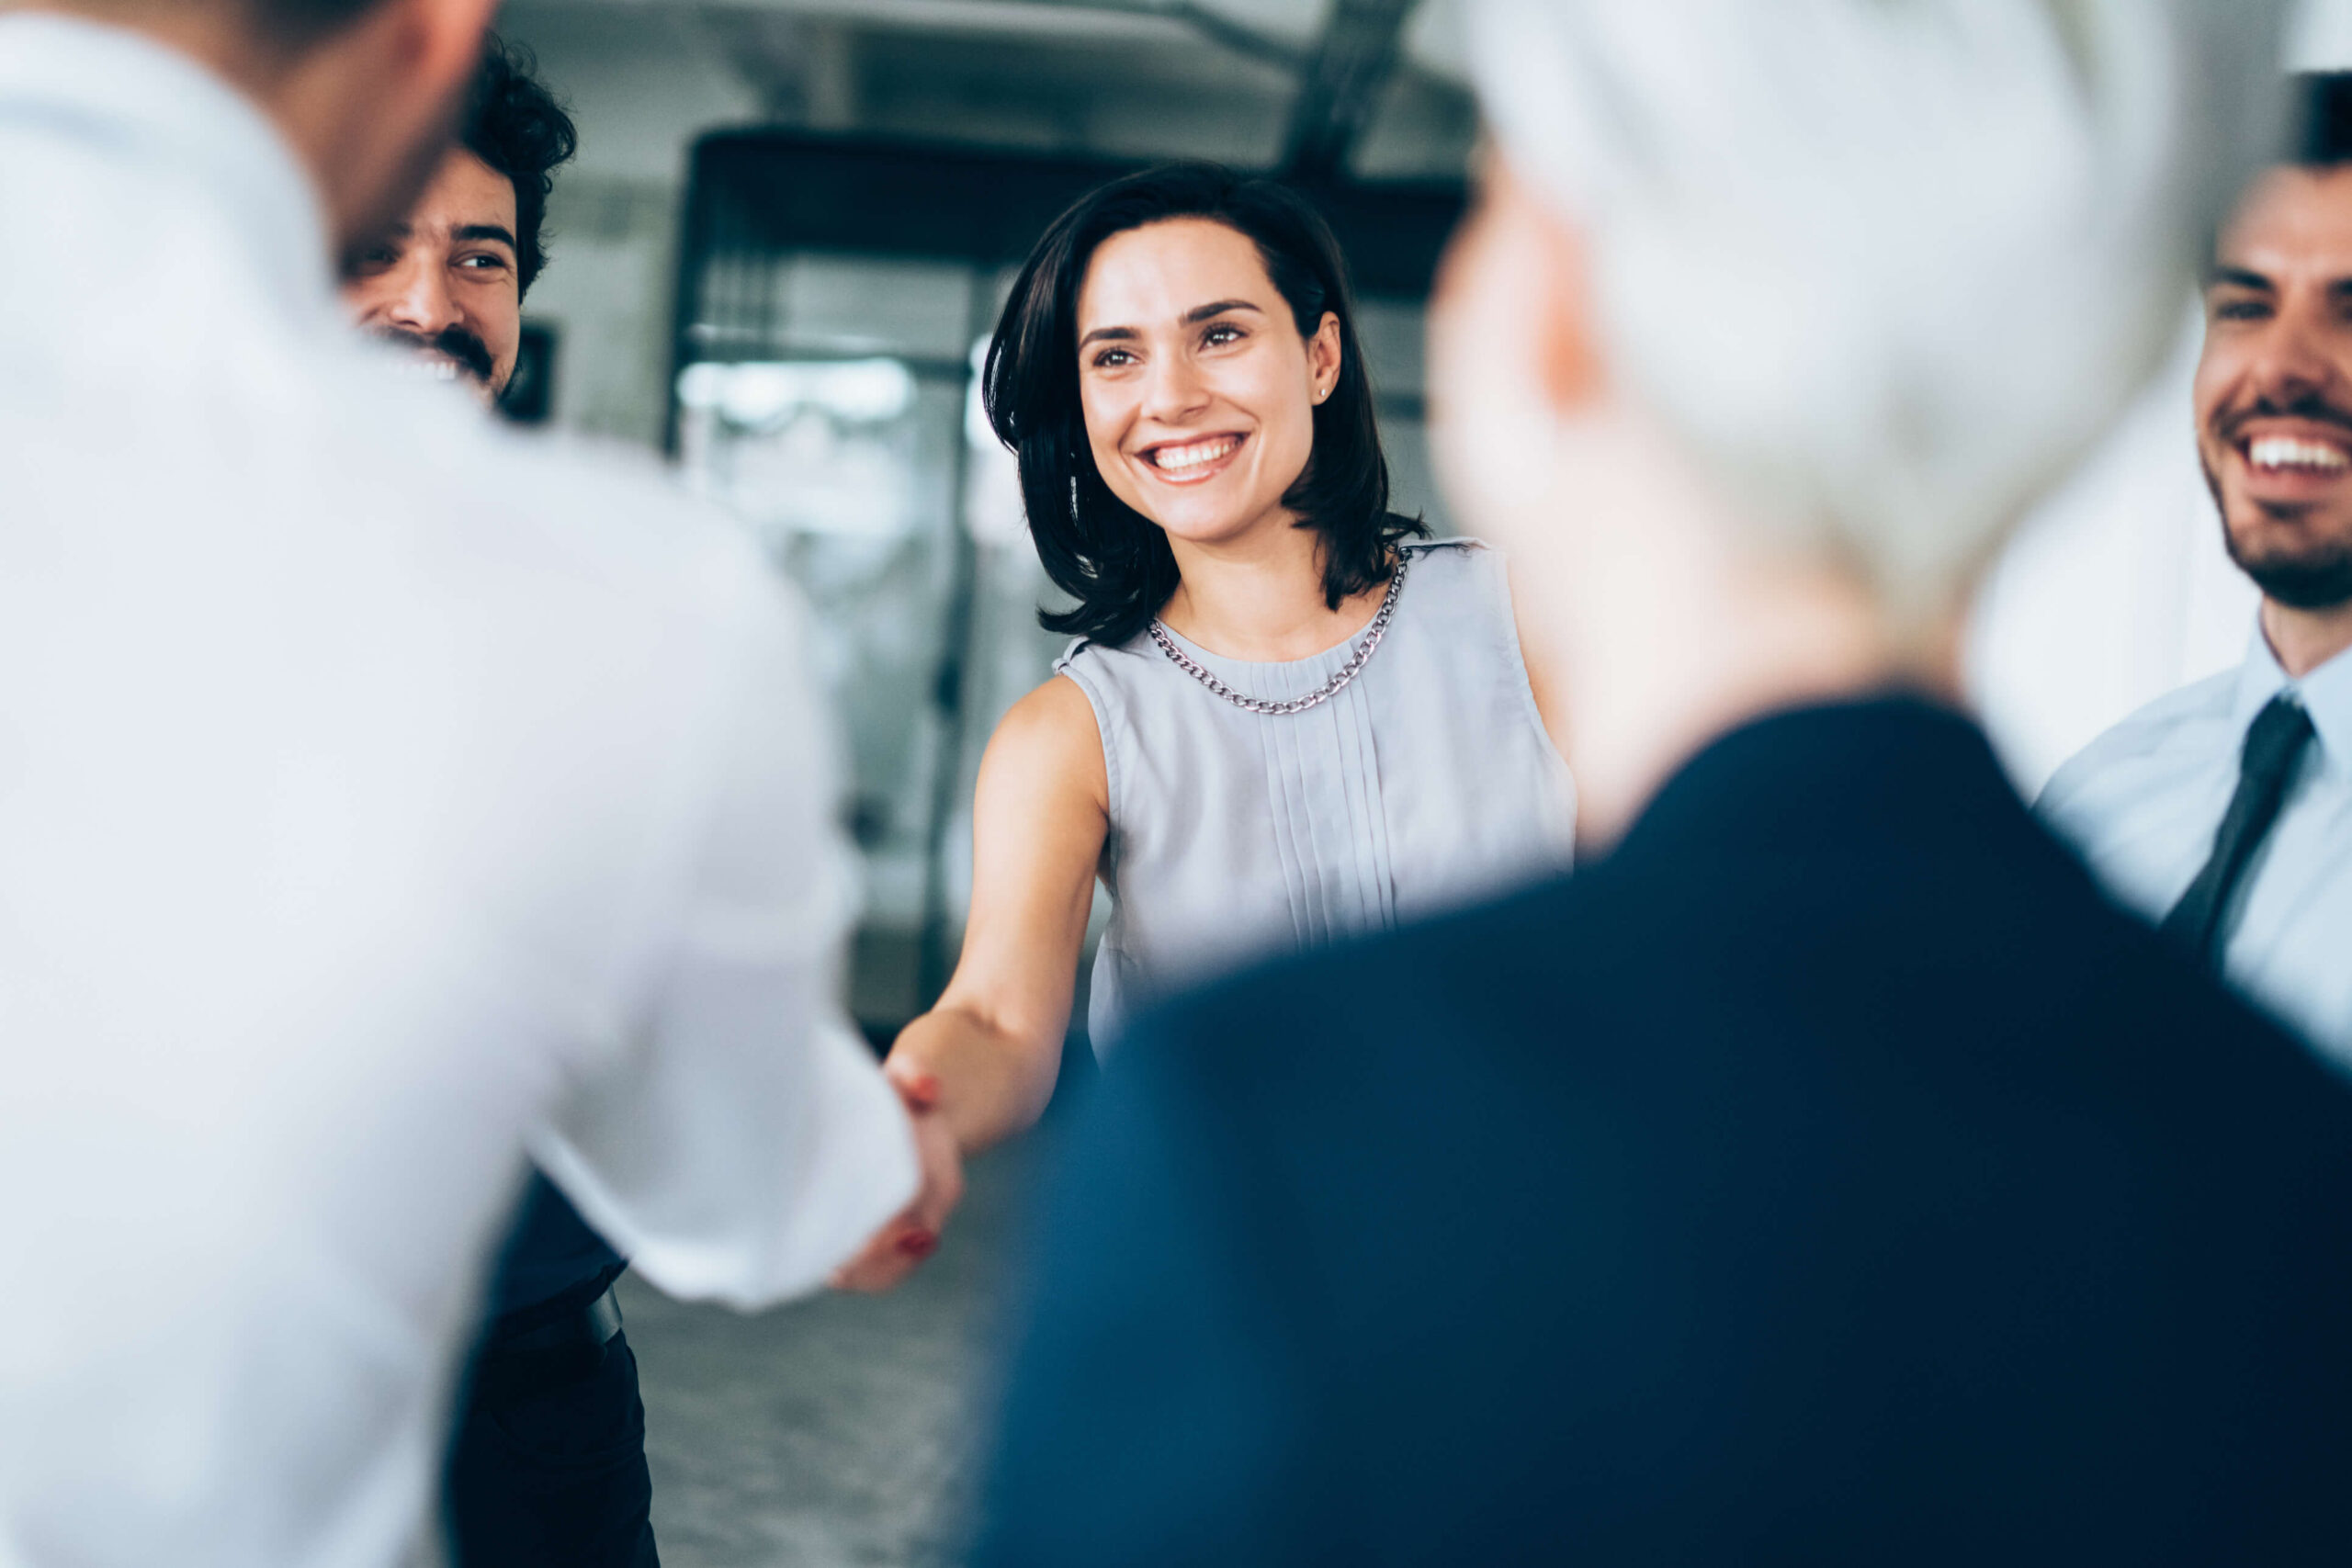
[1428, 782]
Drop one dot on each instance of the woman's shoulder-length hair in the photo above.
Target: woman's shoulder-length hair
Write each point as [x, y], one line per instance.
[1112, 559]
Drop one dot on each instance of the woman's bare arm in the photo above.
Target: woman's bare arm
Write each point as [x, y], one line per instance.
[992, 1048]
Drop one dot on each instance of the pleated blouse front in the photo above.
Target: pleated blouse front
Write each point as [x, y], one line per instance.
[1428, 782]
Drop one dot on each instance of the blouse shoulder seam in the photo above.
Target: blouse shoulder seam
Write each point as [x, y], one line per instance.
[1462, 541]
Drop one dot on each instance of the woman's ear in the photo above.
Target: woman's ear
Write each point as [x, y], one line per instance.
[1323, 356]
[1567, 358]
[1512, 293]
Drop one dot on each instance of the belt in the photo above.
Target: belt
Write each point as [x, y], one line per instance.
[589, 1327]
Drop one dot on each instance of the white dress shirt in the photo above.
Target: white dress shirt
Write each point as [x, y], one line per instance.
[2143, 801]
[381, 795]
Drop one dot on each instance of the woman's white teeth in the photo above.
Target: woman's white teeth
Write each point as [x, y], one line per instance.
[1176, 459]
[2286, 451]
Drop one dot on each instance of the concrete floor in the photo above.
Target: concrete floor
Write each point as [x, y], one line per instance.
[839, 1430]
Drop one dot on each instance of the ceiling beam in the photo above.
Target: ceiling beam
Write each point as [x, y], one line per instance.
[1239, 36]
[1341, 87]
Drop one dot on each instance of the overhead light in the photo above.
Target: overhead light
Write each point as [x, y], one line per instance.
[762, 395]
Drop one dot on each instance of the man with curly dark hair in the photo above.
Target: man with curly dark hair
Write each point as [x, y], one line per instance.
[449, 279]
[548, 1462]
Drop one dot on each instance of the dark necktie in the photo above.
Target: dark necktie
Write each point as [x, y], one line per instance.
[2273, 743]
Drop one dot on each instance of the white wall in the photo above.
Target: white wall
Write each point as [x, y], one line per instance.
[2114, 592]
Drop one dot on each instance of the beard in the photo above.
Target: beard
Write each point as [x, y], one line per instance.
[2315, 579]
[2315, 575]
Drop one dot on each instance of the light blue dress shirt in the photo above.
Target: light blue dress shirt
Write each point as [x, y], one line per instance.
[2143, 802]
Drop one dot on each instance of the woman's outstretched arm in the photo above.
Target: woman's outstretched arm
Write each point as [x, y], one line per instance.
[986, 1056]
[993, 1043]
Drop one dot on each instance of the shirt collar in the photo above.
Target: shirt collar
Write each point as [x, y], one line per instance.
[2325, 693]
[140, 101]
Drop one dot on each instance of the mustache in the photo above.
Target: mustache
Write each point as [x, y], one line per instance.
[455, 343]
[2308, 406]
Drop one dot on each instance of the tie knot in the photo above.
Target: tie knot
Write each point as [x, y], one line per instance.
[2275, 739]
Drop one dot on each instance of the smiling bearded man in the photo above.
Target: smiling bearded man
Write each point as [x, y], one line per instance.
[449, 279]
[2225, 808]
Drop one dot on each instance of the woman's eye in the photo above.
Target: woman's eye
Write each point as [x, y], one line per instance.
[1221, 334]
[2238, 311]
[1112, 358]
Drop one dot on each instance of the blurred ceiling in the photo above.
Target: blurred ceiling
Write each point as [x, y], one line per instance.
[1319, 87]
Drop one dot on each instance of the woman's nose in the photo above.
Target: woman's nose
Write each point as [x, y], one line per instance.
[1175, 388]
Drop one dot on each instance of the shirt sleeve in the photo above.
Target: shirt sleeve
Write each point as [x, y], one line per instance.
[746, 1142]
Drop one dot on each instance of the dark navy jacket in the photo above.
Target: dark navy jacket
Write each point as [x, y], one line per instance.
[1828, 1176]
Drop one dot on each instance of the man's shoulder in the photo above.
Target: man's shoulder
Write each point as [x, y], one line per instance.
[486, 508]
[607, 505]
[2185, 728]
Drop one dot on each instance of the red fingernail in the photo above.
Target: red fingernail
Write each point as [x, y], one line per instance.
[918, 1244]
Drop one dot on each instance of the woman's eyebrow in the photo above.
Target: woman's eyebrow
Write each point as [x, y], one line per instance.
[1192, 318]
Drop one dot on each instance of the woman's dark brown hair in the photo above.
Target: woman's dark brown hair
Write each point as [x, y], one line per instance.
[1114, 560]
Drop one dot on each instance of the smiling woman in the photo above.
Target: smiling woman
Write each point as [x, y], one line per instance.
[1285, 721]
[1176, 283]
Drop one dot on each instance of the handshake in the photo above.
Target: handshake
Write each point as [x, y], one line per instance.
[912, 1235]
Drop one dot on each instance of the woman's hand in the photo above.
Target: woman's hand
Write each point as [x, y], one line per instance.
[913, 1233]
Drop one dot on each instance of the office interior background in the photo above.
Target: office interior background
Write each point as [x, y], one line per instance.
[781, 247]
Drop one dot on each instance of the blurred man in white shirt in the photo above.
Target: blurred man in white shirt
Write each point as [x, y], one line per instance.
[2224, 809]
[379, 800]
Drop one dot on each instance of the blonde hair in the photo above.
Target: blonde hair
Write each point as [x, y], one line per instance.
[1885, 266]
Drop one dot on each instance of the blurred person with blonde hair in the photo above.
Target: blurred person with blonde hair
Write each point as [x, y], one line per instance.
[1826, 1173]
[381, 800]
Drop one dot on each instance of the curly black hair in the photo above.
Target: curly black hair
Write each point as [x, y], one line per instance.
[515, 125]
[1114, 560]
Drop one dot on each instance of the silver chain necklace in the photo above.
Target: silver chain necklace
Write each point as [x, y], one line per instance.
[1321, 695]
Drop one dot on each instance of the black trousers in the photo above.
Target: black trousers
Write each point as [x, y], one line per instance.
[548, 1466]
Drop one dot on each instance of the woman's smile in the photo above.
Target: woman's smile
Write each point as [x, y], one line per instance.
[1193, 459]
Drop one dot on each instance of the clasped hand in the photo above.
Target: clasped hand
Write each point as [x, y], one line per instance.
[912, 1235]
